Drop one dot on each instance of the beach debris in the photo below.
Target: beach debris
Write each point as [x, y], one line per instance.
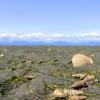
[58, 93]
[84, 82]
[80, 60]
[79, 85]
[88, 78]
[66, 92]
[84, 77]
[77, 97]
[72, 92]
[80, 76]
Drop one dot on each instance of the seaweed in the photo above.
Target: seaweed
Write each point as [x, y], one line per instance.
[11, 83]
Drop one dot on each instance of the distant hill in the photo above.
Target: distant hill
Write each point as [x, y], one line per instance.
[56, 43]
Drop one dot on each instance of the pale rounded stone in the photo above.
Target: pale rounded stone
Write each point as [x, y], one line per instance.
[79, 60]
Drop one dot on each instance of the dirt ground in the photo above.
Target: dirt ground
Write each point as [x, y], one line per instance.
[32, 73]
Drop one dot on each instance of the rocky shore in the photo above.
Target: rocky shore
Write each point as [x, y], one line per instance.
[33, 73]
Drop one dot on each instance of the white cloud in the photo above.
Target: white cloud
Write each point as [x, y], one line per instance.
[19, 36]
[31, 36]
[45, 37]
[36, 34]
[92, 34]
[58, 35]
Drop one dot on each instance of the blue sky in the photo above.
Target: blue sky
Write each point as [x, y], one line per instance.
[50, 20]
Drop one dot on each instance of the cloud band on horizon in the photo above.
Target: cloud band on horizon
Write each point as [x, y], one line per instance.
[45, 37]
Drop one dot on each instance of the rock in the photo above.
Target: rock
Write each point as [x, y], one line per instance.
[77, 98]
[1, 55]
[58, 93]
[79, 60]
[78, 85]
[72, 92]
[88, 78]
[81, 76]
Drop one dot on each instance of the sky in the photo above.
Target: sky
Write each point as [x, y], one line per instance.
[50, 20]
